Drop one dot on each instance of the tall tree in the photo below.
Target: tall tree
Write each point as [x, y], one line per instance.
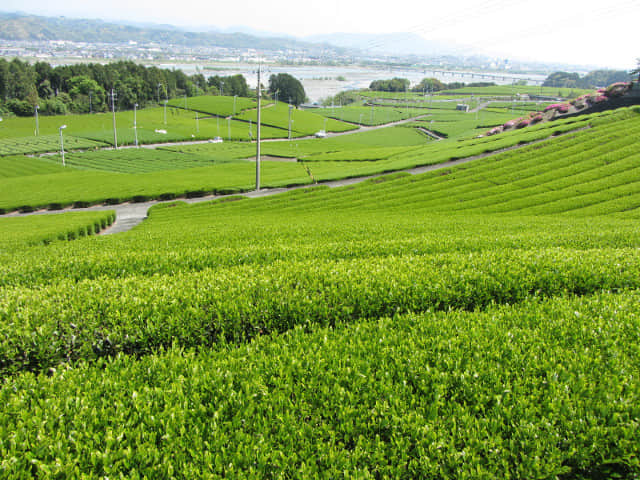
[429, 85]
[288, 88]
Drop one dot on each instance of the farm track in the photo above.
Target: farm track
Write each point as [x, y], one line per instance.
[129, 215]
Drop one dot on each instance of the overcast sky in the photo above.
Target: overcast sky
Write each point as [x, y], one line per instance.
[602, 33]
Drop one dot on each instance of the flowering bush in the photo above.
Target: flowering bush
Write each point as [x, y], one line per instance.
[523, 123]
[553, 106]
[617, 89]
[537, 118]
[564, 108]
[599, 99]
[494, 131]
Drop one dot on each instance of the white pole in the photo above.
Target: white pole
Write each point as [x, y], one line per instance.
[229, 128]
[234, 104]
[135, 122]
[62, 127]
[259, 95]
[290, 111]
[37, 123]
[113, 110]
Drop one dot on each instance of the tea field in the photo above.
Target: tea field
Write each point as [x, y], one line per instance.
[114, 176]
[222, 106]
[478, 321]
[303, 122]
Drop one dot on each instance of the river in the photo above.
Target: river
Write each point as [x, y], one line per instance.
[320, 82]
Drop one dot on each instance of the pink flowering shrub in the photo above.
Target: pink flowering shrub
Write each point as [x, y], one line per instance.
[600, 99]
[617, 89]
[537, 118]
[553, 106]
[523, 123]
[564, 108]
[494, 131]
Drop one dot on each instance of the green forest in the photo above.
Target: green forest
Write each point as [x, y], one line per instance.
[86, 88]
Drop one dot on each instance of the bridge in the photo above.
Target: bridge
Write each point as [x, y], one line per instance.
[485, 76]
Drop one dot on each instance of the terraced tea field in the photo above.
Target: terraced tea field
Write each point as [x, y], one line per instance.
[303, 122]
[479, 321]
[222, 106]
[118, 178]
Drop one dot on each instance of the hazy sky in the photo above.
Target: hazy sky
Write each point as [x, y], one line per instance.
[602, 33]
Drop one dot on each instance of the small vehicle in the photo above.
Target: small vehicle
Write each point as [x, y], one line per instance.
[320, 134]
[216, 140]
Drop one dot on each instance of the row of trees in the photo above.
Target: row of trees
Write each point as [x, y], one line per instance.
[425, 85]
[595, 79]
[86, 87]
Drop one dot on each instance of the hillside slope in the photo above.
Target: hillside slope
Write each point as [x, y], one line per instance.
[475, 323]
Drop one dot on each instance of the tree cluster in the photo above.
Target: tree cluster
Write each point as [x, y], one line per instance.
[234, 85]
[394, 85]
[86, 87]
[595, 79]
[287, 88]
[425, 85]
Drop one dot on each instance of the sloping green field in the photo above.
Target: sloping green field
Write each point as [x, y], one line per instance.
[476, 322]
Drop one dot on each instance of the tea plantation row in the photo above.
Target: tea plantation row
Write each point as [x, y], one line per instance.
[544, 389]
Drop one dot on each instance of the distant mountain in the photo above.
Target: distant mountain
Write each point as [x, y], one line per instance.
[16, 26]
[389, 43]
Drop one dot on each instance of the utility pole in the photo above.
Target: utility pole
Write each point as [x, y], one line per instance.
[135, 123]
[113, 110]
[37, 123]
[62, 127]
[259, 95]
